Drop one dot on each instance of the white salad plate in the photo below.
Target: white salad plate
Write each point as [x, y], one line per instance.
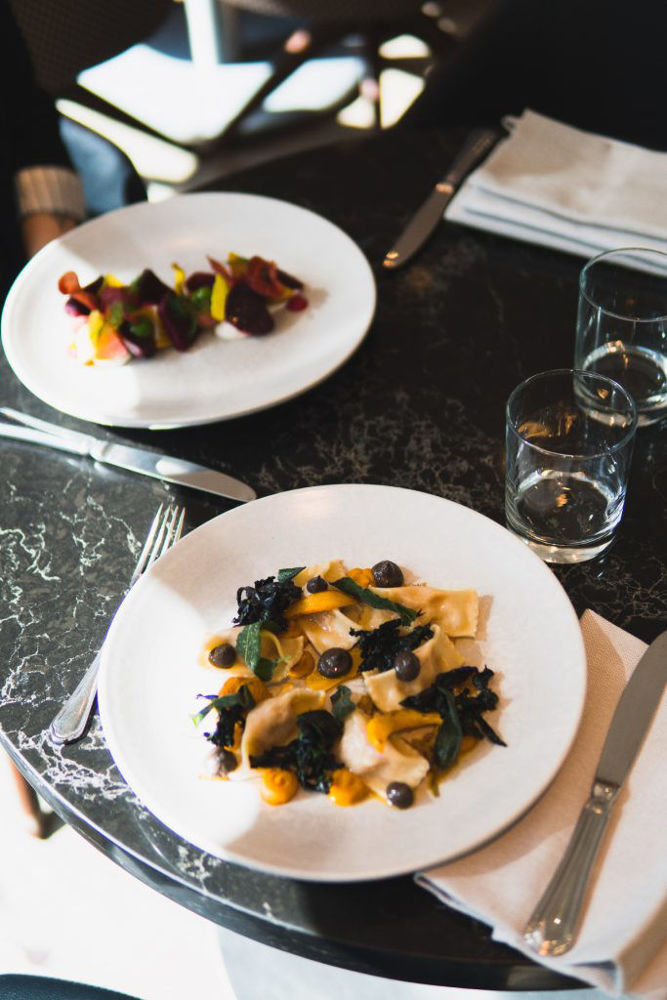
[151, 676]
[216, 379]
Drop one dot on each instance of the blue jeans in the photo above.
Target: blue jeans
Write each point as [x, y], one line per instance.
[109, 178]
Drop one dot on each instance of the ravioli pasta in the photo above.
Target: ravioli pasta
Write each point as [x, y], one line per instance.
[346, 681]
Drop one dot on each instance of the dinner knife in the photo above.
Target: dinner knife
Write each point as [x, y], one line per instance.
[427, 217]
[130, 457]
[553, 925]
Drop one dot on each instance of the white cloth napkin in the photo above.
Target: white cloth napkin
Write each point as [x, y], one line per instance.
[622, 946]
[555, 185]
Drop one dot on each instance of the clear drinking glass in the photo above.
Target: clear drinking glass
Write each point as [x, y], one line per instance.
[622, 325]
[569, 437]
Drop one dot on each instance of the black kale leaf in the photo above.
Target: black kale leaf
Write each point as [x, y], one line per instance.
[309, 756]
[380, 645]
[266, 602]
[461, 697]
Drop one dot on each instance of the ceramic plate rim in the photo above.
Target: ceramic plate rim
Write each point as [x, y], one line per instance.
[224, 524]
[22, 281]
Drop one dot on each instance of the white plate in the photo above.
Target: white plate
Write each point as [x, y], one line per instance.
[215, 379]
[150, 680]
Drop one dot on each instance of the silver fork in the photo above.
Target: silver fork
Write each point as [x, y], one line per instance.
[70, 722]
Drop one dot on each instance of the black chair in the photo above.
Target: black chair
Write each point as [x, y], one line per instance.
[73, 35]
[348, 24]
[594, 64]
[61, 40]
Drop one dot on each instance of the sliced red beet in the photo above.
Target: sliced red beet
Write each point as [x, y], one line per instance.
[288, 280]
[110, 294]
[262, 277]
[75, 308]
[94, 286]
[247, 310]
[178, 320]
[68, 284]
[297, 303]
[149, 288]
[200, 279]
[137, 343]
[220, 269]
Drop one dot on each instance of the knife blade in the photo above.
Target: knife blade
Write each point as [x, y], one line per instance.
[130, 457]
[430, 213]
[553, 925]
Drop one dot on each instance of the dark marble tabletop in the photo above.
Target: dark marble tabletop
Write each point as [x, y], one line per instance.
[419, 405]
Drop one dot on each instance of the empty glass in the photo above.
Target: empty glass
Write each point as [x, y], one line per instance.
[569, 437]
[622, 325]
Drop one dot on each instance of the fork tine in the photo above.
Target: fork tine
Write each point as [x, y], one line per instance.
[170, 533]
[178, 529]
[143, 558]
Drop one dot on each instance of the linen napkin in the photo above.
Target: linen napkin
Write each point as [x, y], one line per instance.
[555, 185]
[621, 946]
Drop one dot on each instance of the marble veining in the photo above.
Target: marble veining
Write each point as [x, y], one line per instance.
[419, 405]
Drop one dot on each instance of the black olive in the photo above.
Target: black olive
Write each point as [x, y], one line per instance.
[387, 574]
[316, 584]
[400, 795]
[334, 662]
[406, 665]
[226, 761]
[223, 655]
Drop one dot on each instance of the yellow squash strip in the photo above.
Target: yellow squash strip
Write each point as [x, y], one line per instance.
[111, 281]
[382, 725]
[362, 577]
[278, 786]
[257, 687]
[347, 788]
[313, 604]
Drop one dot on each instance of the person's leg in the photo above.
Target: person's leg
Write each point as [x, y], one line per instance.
[109, 177]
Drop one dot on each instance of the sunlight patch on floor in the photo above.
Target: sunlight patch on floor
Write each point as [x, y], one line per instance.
[69, 912]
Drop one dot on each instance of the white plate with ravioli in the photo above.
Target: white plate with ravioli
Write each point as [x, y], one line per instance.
[215, 379]
[153, 670]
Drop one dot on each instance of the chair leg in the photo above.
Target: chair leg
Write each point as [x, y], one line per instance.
[30, 804]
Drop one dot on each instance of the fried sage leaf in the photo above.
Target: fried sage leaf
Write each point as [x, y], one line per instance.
[366, 596]
[341, 703]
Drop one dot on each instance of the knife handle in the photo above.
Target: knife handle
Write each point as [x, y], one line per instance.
[70, 722]
[425, 219]
[553, 926]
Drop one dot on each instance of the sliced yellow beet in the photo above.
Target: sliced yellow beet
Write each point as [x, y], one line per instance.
[179, 279]
[219, 293]
[278, 785]
[347, 788]
[382, 725]
[111, 281]
[312, 604]
[109, 346]
[95, 324]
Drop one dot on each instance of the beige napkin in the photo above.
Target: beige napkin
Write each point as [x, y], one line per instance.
[622, 945]
[555, 185]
